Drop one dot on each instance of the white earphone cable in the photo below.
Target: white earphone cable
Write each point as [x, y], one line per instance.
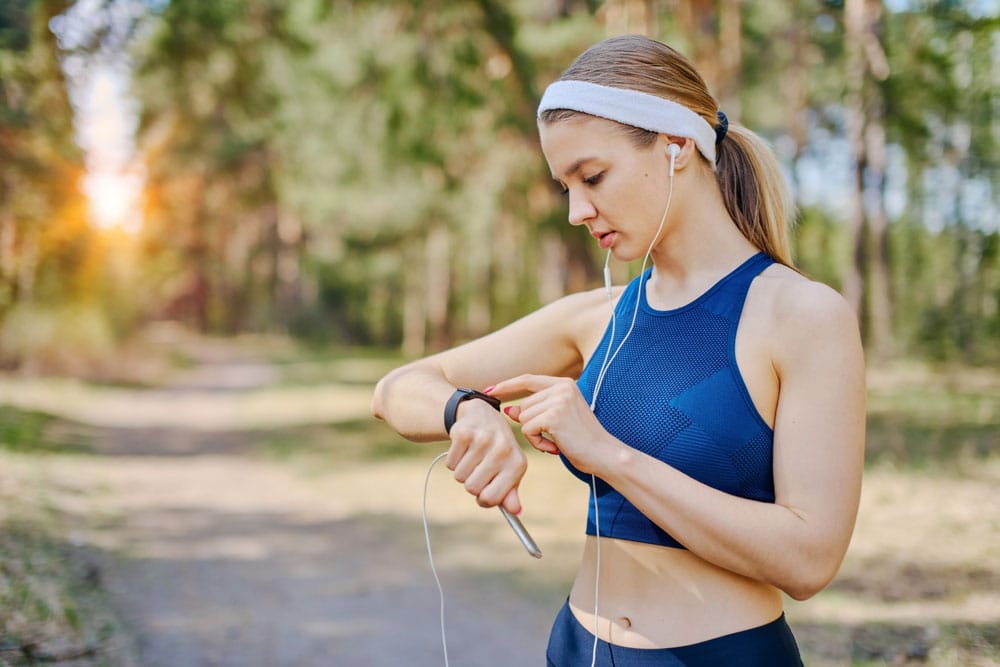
[430, 556]
[605, 365]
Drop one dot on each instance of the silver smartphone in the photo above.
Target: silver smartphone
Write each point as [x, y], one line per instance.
[522, 533]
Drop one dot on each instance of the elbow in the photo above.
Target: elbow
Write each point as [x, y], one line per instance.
[810, 578]
[379, 397]
[803, 590]
[376, 405]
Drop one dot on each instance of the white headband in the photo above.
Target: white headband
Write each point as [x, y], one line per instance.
[631, 107]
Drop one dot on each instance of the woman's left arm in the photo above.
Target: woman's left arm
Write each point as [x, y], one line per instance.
[798, 542]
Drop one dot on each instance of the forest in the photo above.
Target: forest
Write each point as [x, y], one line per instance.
[222, 221]
[368, 173]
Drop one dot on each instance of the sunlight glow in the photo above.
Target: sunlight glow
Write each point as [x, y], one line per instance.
[106, 129]
[114, 199]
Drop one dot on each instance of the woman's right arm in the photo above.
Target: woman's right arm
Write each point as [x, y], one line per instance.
[484, 454]
[548, 341]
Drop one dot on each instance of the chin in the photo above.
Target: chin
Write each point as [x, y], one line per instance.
[626, 255]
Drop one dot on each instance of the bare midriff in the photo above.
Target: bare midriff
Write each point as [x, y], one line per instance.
[657, 597]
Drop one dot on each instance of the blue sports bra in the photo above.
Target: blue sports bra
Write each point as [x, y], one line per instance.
[675, 393]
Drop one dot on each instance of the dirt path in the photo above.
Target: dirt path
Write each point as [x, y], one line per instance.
[218, 552]
[216, 555]
[218, 561]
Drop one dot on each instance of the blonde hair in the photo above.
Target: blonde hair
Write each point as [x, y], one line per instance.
[752, 185]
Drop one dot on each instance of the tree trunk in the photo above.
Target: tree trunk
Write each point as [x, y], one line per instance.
[622, 17]
[27, 265]
[551, 270]
[854, 108]
[730, 47]
[866, 285]
[437, 272]
[8, 242]
[878, 303]
[414, 302]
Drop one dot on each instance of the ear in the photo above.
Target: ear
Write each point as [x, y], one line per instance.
[686, 149]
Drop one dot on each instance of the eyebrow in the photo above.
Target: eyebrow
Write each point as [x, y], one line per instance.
[575, 167]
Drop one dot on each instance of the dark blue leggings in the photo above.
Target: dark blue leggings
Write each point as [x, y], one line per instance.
[771, 645]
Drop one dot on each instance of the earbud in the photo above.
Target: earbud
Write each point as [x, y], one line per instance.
[674, 151]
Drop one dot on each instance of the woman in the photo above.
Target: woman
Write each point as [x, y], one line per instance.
[720, 415]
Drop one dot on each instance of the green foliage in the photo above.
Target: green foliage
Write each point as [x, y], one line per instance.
[821, 248]
[57, 274]
[369, 172]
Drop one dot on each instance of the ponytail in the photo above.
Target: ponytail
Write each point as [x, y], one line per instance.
[754, 191]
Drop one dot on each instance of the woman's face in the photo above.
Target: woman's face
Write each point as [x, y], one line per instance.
[616, 189]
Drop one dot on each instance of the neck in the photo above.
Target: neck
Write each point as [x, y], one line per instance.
[701, 242]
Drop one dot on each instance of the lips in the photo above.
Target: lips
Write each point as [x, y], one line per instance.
[605, 239]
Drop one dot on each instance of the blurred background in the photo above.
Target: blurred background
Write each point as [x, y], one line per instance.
[221, 222]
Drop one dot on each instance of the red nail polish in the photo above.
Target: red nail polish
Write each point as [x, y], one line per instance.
[507, 410]
[489, 389]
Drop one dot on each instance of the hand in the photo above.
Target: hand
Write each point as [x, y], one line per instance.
[485, 456]
[555, 418]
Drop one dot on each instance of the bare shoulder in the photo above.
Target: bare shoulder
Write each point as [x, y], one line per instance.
[797, 299]
[805, 314]
[582, 315]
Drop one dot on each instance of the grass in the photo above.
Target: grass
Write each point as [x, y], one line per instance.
[921, 416]
[35, 432]
[53, 605]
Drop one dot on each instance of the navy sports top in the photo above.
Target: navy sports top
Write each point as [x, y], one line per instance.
[675, 393]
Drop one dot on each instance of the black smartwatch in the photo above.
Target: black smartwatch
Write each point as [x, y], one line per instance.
[462, 394]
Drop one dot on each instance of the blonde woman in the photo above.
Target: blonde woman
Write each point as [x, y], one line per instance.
[718, 415]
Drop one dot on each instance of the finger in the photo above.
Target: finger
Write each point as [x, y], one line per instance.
[473, 459]
[456, 452]
[491, 484]
[513, 411]
[512, 501]
[465, 467]
[522, 385]
[546, 445]
[531, 408]
[541, 443]
[492, 468]
[496, 491]
[537, 431]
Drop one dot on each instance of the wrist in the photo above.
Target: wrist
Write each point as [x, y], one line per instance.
[615, 460]
[473, 408]
[462, 396]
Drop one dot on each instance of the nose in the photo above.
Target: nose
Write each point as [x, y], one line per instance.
[581, 209]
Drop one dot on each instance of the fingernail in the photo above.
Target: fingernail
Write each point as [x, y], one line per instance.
[489, 389]
[519, 510]
[507, 410]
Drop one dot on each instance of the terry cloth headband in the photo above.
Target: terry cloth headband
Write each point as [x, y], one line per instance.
[631, 107]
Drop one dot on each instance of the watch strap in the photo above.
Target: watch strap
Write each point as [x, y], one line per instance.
[463, 394]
